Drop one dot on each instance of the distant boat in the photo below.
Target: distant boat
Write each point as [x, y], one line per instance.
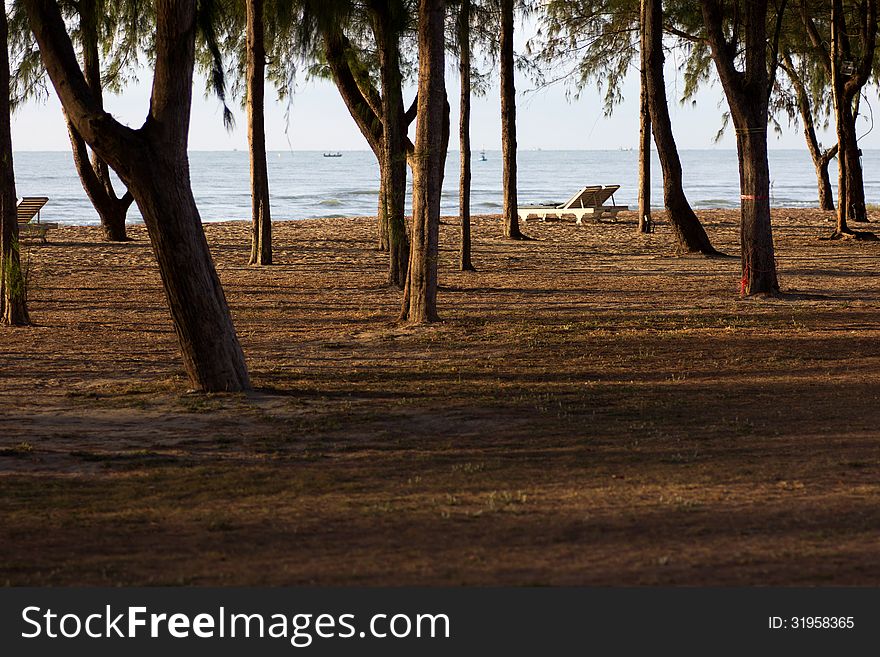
[483, 156]
[336, 154]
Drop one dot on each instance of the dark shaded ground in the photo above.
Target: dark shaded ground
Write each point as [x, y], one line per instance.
[593, 410]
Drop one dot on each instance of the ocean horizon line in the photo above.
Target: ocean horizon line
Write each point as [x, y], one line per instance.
[455, 150]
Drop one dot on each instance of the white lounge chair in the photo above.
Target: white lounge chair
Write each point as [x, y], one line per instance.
[29, 224]
[588, 202]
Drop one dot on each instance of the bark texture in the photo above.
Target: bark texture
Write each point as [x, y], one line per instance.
[387, 17]
[508, 123]
[644, 125]
[420, 296]
[261, 216]
[13, 285]
[464, 135]
[689, 232]
[748, 93]
[152, 162]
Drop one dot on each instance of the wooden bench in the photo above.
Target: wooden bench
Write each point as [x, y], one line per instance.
[29, 224]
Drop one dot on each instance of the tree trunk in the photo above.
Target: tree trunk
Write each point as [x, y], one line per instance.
[689, 232]
[820, 158]
[644, 125]
[420, 296]
[152, 162]
[364, 103]
[843, 118]
[748, 93]
[823, 182]
[756, 235]
[95, 174]
[382, 216]
[393, 153]
[508, 123]
[13, 283]
[261, 216]
[846, 90]
[857, 209]
[464, 133]
[111, 210]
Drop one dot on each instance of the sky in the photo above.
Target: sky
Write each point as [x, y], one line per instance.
[546, 118]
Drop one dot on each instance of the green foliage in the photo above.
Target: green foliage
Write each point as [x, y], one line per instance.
[589, 41]
[125, 31]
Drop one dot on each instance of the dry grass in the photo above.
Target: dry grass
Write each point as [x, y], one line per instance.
[593, 410]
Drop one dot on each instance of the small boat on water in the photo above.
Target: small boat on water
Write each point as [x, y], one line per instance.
[483, 156]
[336, 154]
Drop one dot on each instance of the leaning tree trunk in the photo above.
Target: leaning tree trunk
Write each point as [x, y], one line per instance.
[393, 153]
[689, 232]
[261, 216]
[464, 133]
[420, 296]
[364, 103]
[95, 178]
[823, 180]
[644, 125]
[153, 163]
[508, 124]
[821, 158]
[95, 174]
[13, 286]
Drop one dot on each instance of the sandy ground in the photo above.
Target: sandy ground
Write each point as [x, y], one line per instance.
[592, 410]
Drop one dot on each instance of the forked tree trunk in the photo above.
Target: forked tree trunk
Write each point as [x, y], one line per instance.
[464, 134]
[393, 153]
[337, 52]
[95, 178]
[365, 104]
[261, 216]
[420, 296]
[846, 90]
[821, 158]
[13, 286]
[748, 93]
[644, 125]
[152, 162]
[689, 232]
[508, 124]
[95, 174]
[843, 117]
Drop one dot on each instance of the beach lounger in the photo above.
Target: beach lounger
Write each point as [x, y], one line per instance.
[29, 224]
[588, 202]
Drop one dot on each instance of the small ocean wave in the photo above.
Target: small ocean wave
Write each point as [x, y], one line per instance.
[715, 203]
[331, 203]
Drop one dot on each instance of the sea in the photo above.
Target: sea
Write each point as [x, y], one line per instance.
[306, 184]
